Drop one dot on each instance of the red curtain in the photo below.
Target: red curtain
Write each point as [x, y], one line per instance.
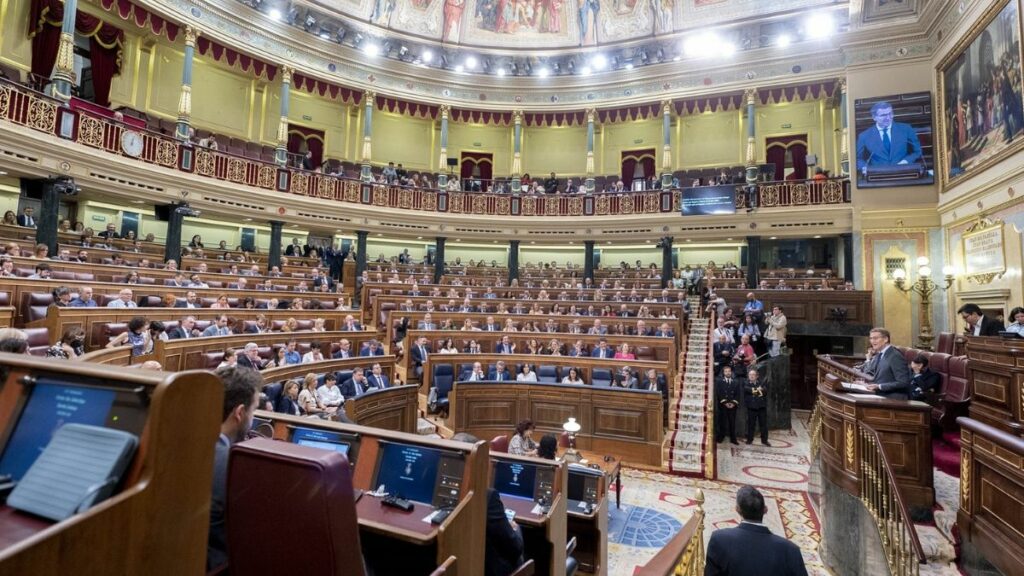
[484, 161]
[301, 139]
[778, 146]
[105, 42]
[777, 155]
[798, 151]
[630, 159]
[628, 169]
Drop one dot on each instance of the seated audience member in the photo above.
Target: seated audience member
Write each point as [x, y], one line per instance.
[664, 331]
[625, 379]
[250, 358]
[61, 297]
[1017, 327]
[526, 374]
[137, 336]
[976, 323]
[500, 373]
[309, 402]
[70, 346]
[184, 329]
[602, 350]
[123, 300]
[329, 394]
[378, 379]
[923, 381]
[314, 354]
[573, 377]
[476, 374]
[13, 340]
[625, 352]
[750, 548]
[230, 358]
[350, 325]
[355, 386]
[288, 402]
[548, 447]
[522, 443]
[219, 327]
[42, 272]
[344, 350]
[261, 326]
[241, 395]
[373, 348]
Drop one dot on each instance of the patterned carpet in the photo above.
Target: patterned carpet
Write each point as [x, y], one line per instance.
[656, 505]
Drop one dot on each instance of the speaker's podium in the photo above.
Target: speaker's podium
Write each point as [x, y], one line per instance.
[903, 428]
[157, 522]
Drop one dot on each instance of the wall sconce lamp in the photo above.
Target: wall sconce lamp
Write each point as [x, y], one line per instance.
[924, 287]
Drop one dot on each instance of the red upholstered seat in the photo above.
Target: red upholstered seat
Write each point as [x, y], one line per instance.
[304, 499]
[500, 444]
[956, 394]
[38, 340]
[945, 343]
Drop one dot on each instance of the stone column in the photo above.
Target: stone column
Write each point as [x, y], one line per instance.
[172, 244]
[513, 261]
[589, 182]
[361, 252]
[274, 257]
[281, 153]
[185, 99]
[48, 218]
[844, 145]
[751, 98]
[666, 144]
[442, 164]
[753, 261]
[517, 144]
[64, 68]
[588, 259]
[368, 100]
[439, 259]
[666, 261]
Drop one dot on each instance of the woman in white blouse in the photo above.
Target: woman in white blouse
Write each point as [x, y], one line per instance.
[526, 374]
[522, 443]
[573, 377]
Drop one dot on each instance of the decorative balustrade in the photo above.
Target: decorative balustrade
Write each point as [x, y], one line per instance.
[25, 107]
[684, 554]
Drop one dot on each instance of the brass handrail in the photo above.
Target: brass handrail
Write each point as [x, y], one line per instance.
[814, 426]
[880, 494]
[684, 554]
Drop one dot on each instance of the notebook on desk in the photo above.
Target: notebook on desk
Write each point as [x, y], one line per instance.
[855, 386]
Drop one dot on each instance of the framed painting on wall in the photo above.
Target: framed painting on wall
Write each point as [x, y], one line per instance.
[982, 111]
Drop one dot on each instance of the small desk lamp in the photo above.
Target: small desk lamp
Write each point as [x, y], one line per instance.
[572, 427]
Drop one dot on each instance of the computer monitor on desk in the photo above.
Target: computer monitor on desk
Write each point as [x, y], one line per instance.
[418, 473]
[342, 442]
[53, 402]
[524, 480]
[584, 488]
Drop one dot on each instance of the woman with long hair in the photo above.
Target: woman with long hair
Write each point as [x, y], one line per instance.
[522, 443]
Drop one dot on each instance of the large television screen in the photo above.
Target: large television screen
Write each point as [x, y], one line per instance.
[52, 404]
[708, 200]
[515, 478]
[407, 470]
[894, 145]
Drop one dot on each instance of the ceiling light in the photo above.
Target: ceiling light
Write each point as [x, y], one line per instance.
[819, 25]
[774, 238]
[677, 58]
[459, 68]
[371, 49]
[427, 56]
[501, 72]
[818, 236]
[599, 62]
[629, 65]
[585, 71]
[783, 40]
[727, 49]
[419, 237]
[325, 35]
[470, 62]
[274, 14]
[543, 72]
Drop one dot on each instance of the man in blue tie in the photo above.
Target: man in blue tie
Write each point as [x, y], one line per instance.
[499, 374]
[378, 379]
[355, 386]
[887, 143]
[420, 352]
[602, 350]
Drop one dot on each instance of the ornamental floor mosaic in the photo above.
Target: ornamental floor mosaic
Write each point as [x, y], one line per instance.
[655, 505]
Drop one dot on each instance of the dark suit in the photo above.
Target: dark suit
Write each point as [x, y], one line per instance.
[349, 390]
[27, 221]
[502, 348]
[727, 391]
[245, 362]
[340, 354]
[890, 371]
[178, 333]
[217, 546]
[752, 550]
[989, 327]
[504, 548]
[921, 384]
[904, 145]
[755, 399]
[419, 357]
[606, 353]
[721, 357]
[494, 374]
[286, 405]
[378, 381]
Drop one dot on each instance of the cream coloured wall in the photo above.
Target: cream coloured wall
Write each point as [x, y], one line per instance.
[498, 253]
[788, 119]
[559, 149]
[560, 254]
[479, 138]
[15, 47]
[313, 112]
[613, 139]
[710, 140]
[403, 140]
[10, 193]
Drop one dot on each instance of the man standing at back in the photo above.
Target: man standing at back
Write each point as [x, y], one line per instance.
[751, 549]
[241, 394]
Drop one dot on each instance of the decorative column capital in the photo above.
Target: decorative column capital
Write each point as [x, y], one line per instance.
[842, 85]
[191, 35]
[517, 117]
[591, 115]
[446, 110]
[750, 95]
[368, 96]
[286, 74]
[666, 107]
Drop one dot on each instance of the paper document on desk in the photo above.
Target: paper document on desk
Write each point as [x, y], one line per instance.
[855, 386]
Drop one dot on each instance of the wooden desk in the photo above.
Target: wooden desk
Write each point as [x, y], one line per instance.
[904, 429]
[627, 423]
[398, 542]
[591, 528]
[157, 524]
[612, 469]
[996, 375]
[544, 533]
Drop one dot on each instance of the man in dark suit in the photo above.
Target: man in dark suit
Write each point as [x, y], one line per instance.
[26, 219]
[420, 352]
[377, 378]
[755, 399]
[751, 549]
[727, 399]
[184, 329]
[887, 143]
[357, 385]
[191, 301]
[723, 351]
[887, 367]
[603, 350]
[505, 347]
[344, 350]
[250, 358]
[977, 323]
[491, 326]
[293, 249]
[500, 373]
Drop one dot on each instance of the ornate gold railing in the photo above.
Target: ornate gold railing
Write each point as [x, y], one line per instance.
[88, 126]
[880, 495]
[814, 428]
[684, 554]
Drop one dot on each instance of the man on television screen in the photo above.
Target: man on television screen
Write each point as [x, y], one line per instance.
[887, 143]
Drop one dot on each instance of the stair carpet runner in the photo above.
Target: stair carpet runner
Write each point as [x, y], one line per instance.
[689, 432]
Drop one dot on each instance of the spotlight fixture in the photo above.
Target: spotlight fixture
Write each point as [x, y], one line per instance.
[309, 22]
[65, 185]
[293, 15]
[470, 63]
[585, 71]
[371, 49]
[427, 56]
[783, 40]
[459, 68]
[403, 51]
[629, 66]
[185, 210]
[501, 71]
[274, 14]
[543, 72]
[599, 62]
[819, 25]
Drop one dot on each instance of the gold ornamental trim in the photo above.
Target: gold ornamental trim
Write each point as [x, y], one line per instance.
[167, 153]
[90, 131]
[64, 67]
[350, 191]
[851, 447]
[965, 480]
[205, 163]
[185, 103]
[286, 74]
[236, 170]
[42, 115]
[299, 184]
[266, 177]
[5, 101]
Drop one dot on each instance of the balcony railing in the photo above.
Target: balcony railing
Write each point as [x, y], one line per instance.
[22, 106]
